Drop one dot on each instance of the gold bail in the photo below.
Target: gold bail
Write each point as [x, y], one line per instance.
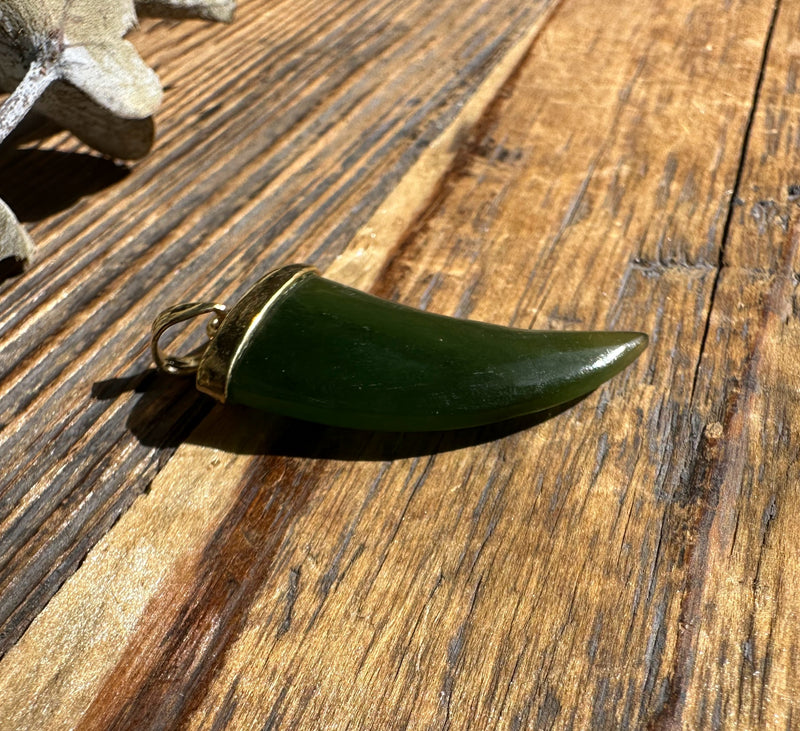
[183, 365]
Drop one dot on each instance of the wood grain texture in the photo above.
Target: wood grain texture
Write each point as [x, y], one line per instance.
[290, 132]
[627, 563]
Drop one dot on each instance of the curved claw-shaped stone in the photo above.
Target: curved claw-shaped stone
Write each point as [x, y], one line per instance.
[306, 347]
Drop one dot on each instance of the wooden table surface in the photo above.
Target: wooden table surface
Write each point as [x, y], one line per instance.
[631, 562]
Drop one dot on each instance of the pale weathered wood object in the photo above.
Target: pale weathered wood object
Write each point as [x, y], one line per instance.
[627, 563]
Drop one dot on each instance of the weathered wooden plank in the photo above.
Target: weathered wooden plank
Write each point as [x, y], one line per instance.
[630, 562]
[737, 643]
[623, 615]
[533, 578]
[767, 196]
[289, 132]
[605, 646]
[736, 649]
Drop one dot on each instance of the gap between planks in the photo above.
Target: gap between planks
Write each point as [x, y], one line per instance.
[726, 229]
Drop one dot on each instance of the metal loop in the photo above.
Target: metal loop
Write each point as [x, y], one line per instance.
[184, 364]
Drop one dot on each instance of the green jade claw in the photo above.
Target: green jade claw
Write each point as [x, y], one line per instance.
[306, 347]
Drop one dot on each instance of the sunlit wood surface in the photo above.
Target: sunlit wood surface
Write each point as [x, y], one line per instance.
[631, 562]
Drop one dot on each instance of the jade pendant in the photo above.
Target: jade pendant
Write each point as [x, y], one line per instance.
[303, 346]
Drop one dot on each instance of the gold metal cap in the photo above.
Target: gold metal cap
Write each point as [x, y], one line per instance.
[234, 332]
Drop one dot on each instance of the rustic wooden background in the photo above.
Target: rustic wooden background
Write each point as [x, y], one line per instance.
[631, 562]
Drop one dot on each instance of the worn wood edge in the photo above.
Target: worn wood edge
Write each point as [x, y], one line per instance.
[361, 263]
[50, 677]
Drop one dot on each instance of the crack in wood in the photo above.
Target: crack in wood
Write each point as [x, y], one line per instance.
[735, 193]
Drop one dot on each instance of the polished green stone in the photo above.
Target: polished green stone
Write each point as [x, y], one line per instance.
[334, 355]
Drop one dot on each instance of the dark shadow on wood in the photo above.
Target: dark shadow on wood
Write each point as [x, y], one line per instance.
[168, 409]
[38, 183]
[11, 267]
[34, 127]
